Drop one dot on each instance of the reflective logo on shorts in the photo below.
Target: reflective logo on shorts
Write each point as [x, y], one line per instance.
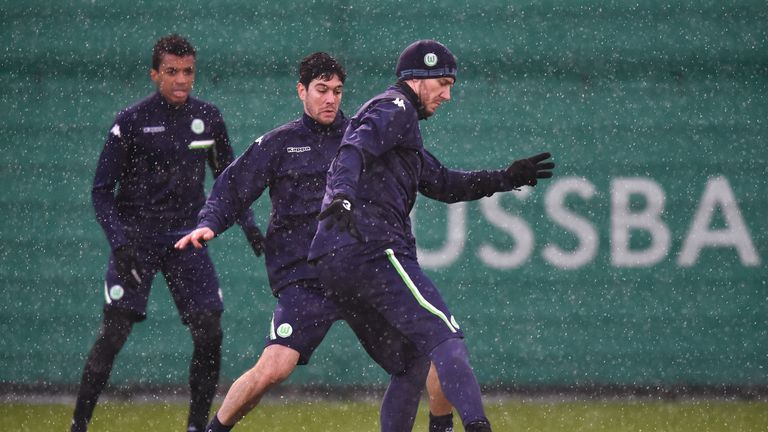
[116, 292]
[284, 330]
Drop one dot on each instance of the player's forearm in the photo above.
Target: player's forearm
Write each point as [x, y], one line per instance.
[107, 216]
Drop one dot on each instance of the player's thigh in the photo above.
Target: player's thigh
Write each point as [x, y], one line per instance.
[397, 289]
[302, 318]
[411, 294]
[192, 281]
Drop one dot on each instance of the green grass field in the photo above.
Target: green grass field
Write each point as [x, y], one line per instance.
[316, 416]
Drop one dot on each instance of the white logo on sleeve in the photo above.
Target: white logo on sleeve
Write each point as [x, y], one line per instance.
[347, 205]
[399, 102]
[115, 130]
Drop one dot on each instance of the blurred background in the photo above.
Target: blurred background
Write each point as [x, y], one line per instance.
[641, 266]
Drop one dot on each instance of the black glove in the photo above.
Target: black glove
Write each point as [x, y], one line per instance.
[127, 266]
[525, 172]
[256, 239]
[339, 211]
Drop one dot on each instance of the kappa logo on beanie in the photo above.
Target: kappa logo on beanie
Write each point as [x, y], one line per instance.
[426, 59]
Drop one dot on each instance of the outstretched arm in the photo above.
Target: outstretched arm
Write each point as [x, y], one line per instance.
[450, 186]
[233, 192]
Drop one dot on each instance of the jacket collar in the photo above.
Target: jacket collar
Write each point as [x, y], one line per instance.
[412, 97]
[172, 108]
[335, 128]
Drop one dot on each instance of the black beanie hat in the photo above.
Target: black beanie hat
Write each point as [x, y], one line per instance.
[425, 59]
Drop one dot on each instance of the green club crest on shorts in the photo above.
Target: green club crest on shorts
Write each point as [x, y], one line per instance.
[116, 292]
[197, 126]
[284, 330]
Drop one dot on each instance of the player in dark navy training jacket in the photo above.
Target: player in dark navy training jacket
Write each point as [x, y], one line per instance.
[155, 155]
[364, 247]
[291, 161]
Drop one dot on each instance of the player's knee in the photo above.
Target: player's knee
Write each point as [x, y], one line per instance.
[115, 327]
[276, 372]
[450, 352]
[206, 329]
[275, 364]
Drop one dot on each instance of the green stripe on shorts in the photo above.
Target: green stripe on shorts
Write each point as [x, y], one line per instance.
[415, 291]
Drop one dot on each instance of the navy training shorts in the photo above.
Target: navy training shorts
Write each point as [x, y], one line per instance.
[378, 290]
[304, 315]
[302, 318]
[189, 273]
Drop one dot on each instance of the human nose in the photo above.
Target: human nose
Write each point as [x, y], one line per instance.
[182, 78]
[446, 94]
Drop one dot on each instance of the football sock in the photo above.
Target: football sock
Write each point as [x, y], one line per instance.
[478, 426]
[216, 426]
[204, 368]
[443, 423]
[458, 380]
[401, 401]
[114, 331]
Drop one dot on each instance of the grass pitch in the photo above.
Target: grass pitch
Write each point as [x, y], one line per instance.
[506, 416]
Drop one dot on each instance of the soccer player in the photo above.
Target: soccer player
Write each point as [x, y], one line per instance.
[292, 161]
[364, 247]
[155, 155]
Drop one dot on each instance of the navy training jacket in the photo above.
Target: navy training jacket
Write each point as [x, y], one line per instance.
[292, 161]
[155, 154]
[381, 165]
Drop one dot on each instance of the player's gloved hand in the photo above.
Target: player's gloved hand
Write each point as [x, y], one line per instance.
[255, 238]
[526, 172]
[127, 266]
[340, 212]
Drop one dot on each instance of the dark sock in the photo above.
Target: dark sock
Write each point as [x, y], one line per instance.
[204, 368]
[216, 426]
[401, 401]
[458, 380]
[478, 426]
[443, 423]
[114, 331]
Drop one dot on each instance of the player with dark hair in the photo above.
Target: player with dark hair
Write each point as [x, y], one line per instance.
[364, 247]
[155, 155]
[291, 161]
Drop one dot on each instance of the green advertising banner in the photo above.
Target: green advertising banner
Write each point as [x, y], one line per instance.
[641, 262]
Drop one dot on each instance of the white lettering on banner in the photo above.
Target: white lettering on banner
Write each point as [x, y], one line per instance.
[649, 220]
[718, 193]
[585, 232]
[717, 197]
[515, 226]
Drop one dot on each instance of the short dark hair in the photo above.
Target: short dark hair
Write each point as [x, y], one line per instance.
[320, 65]
[171, 44]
